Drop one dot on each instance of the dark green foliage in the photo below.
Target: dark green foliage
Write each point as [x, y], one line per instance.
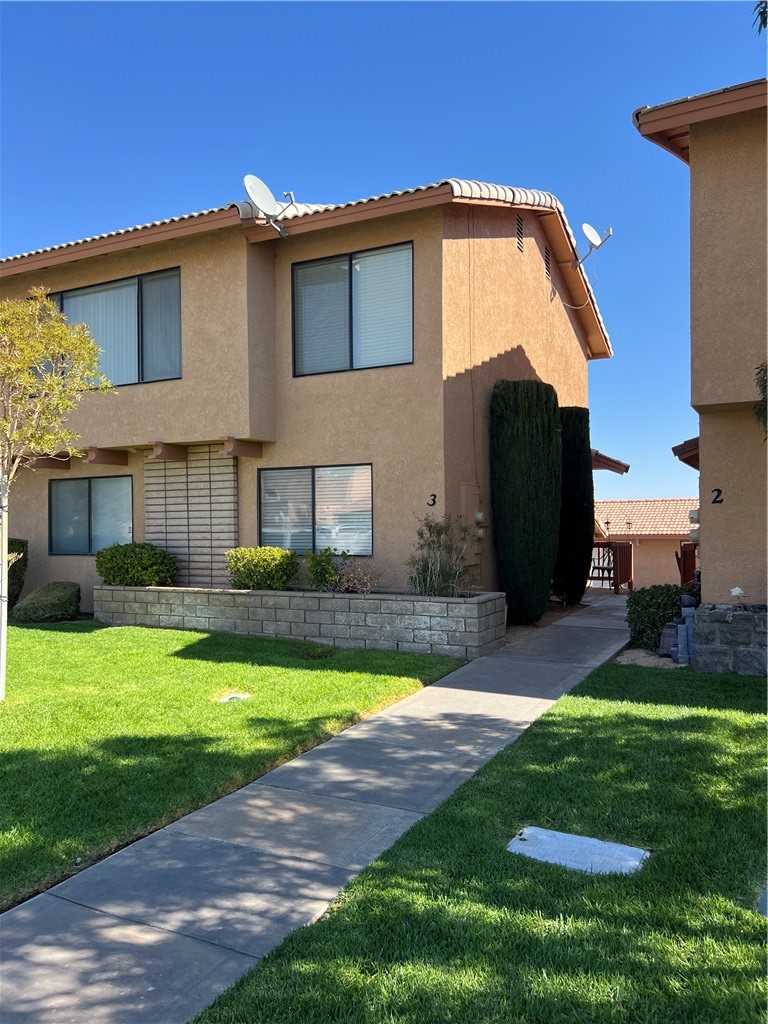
[17, 570]
[577, 507]
[261, 568]
[761, 407]
[526, 469]
[650, 609]
[53, 602]
[136, 565]
[324, 569]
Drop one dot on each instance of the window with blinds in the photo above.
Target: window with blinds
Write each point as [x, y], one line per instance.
[317, 507]
[135, 322]
[89, 514]
[353, 312]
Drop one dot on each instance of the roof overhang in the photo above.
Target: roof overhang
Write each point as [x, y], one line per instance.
[669, 124]
[688, 452]
[600, 461]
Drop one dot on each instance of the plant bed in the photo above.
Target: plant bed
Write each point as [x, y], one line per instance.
[455, 627]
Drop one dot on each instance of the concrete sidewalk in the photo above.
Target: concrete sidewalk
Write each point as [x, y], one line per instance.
[151, 934]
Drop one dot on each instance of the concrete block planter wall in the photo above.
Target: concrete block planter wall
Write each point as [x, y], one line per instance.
[460, 627]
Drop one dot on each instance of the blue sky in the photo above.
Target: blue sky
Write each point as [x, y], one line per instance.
[114, 114]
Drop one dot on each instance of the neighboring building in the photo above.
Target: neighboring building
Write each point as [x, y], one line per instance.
[722, 136]
[239, 419]
[658, 530]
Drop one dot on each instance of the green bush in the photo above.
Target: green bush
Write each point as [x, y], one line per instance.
[339, 573]
[17, 569]
[526, 473]
[577, 508]
[324, 569]
[261, 568]
[649, 609]
[438, 565]
[136, 565]
[53, 602]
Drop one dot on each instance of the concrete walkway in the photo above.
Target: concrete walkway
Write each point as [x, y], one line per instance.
[151, 934]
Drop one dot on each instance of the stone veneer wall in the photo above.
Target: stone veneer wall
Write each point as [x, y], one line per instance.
[454, 626]
[730, 638]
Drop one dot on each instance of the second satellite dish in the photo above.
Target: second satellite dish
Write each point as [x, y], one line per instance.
[261, 196]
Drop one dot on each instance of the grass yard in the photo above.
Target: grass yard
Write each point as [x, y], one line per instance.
[109, 733]
[449, 927]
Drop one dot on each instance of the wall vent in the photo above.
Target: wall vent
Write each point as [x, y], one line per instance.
[519, 233]
[548, 264]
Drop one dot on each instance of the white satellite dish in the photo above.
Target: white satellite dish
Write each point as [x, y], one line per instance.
[261, 196]
[592, 236]
[595, 241]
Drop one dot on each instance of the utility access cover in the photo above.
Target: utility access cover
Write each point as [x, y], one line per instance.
[578, 852]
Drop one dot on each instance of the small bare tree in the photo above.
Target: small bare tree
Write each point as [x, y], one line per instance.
[46, 366]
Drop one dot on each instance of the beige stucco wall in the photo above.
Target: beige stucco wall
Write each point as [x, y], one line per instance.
[733, 533]
[390, 416]
[29, 519]
[212, 399]
[728, 258]
[502, 319]
[653, 559]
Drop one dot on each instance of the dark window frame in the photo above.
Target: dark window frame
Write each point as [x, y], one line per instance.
[57, 298]
[90, 553]
[335, 465]
[350, 256]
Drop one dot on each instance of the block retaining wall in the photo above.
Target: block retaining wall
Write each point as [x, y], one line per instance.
[459, 627]
[730, 638]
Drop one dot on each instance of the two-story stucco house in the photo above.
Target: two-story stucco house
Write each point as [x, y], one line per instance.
[324, 389]
[722, 137]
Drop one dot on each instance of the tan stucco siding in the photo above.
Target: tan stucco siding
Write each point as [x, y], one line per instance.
[653, 559]
[391, 417]
[29, 519]
[733, 532]
[502, 319]
[211, 400]
[728, 258]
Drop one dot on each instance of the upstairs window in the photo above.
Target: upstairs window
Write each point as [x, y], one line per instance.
[135, 322]
[353, 312]
[314, 508]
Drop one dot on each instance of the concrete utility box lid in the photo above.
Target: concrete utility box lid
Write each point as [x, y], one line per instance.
[578, 852]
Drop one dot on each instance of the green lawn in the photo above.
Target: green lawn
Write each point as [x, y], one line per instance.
[109, 733]
[449, 927]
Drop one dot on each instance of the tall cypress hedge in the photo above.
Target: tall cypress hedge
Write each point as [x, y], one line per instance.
[577, 507]
[526, 467]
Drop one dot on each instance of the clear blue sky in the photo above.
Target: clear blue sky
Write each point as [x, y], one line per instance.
[115, 114]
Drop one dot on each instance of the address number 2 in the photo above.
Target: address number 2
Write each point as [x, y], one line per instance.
[718, 496]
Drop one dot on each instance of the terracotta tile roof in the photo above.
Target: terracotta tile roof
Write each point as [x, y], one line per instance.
[646, 517]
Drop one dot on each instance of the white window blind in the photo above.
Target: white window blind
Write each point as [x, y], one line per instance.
[286, 509]
[321, 311]
[68, 517]
[382, 307]
[161, 326]
[111, 512]
[316, 508]
[109, 310]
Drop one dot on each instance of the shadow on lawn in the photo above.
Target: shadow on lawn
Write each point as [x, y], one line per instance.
[90, 803]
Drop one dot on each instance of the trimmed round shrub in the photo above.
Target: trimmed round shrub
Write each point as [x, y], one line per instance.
[17, 570]
[526, 473]
[53, 602]
[577, 508]
[261, 568]
[136, 565]
[649, 609]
